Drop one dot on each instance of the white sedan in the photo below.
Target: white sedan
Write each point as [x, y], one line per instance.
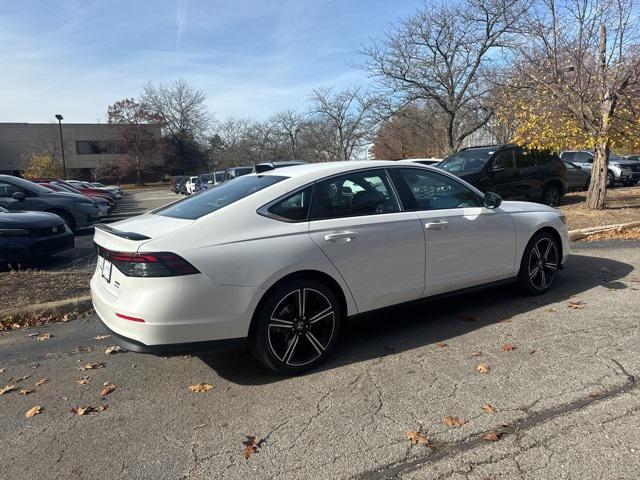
[278, 260]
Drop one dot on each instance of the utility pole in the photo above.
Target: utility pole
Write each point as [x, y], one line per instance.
[64, 163]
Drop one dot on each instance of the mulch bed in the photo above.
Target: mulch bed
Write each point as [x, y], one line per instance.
[623, 206]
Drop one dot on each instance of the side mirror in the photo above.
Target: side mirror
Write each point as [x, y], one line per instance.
[491, 200]
[18, 196]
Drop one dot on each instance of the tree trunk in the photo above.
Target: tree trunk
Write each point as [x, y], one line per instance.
[138, 171]
[598, 186]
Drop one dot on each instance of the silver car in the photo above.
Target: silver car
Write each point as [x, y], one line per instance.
[620, 170]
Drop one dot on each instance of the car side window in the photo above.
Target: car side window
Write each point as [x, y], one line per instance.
[503, 160]
[525, 158]
[294, 208]
[367, 192]
[8, 189]
[584, 157]
[426, 190]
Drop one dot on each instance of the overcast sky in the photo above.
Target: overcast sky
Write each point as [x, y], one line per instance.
[251, 57]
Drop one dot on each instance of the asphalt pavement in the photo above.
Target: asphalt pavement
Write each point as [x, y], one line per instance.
[565, 396]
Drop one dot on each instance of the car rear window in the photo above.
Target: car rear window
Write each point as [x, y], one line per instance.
[214, 199]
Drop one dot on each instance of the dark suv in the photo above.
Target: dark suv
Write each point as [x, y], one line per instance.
[511, 171]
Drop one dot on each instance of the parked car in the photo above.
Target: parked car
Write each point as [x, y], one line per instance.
[626, 172]
[19, 194]
[103, 204]
[279, 260]
[264, 166]
[79, 188]
[86, 186]
[191, 185]
[175, 182]
[208, 180]
[234, 172]
[59, 185]
[116, 189]
[577, 177]
[511, 171]
[27, 236]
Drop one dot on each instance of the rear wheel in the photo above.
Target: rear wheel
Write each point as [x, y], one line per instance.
[611, 179]
[551, 195]
[67, 217]
[539, 265]
[296, 327]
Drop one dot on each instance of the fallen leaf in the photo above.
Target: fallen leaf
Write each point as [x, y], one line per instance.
[552, 309]
[82, 349]
[416, 438]
[107, 389]
[576, 305]
[43, 337]
[91, 366]
[470, 318]
[482, 368]
[251, 445]
[26, 391]
[101, 337]
[83, 381]
[595, 394]
[7, 389]
[81, 410]
[113, 349]
[42, 381]
[35, 365]
[488, 408]
[453, 421]
[33, 411]
[35, 334]
[200, 387]
[491, 436]
[101, 408]
[507, 347]
[21, 379]
[2, 370]
[441, 345]
[476, 354]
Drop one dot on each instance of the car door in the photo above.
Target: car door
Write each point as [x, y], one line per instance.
[378, 249]
[6, 198]
[466, 243]
[502, 177]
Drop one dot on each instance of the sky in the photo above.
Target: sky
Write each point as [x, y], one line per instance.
[251, 57]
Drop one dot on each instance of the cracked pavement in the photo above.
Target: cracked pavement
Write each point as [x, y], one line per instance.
[567, 400]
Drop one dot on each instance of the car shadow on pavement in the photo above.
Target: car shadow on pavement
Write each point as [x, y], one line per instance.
[405, 328]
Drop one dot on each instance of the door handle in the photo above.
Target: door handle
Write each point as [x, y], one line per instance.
[439, 225]
[334, 237]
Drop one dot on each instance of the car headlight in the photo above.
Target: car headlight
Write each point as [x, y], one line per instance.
[14, 232]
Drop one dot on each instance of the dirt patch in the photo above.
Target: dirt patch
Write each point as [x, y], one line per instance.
[629, 234]
[28, 287]
[623, 205]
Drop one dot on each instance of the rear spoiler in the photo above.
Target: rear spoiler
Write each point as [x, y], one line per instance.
[120, 233]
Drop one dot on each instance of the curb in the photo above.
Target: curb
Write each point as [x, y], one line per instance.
[585, 232]
[59, 307]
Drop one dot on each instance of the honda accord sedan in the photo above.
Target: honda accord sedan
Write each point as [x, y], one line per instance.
[278, 260]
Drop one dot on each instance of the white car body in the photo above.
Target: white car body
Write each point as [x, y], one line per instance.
[240, 254]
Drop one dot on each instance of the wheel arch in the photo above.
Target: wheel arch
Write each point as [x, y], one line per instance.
[553, 232]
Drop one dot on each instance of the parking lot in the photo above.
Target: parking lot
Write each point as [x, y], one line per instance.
[562, 381]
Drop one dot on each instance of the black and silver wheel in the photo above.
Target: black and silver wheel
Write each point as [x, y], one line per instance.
[551, 196]
[540, 264]
[296, 326]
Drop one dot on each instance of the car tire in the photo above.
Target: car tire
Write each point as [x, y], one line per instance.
[540, 263]
[67, 217]
[611, 179]
[551, 195]
[290, 338]
[587, 183]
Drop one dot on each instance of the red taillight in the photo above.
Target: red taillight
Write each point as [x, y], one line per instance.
[161, 264]
[127, 317]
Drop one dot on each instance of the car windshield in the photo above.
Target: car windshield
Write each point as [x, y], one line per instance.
[215, 198]
[467, 161]
[3, 210]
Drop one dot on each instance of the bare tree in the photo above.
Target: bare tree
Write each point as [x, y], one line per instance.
[583, 56]
[289, 125]
[444, 53]
[348, 114]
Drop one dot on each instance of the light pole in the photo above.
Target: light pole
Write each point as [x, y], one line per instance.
[64, 163]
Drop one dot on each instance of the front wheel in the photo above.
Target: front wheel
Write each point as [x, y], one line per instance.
[539, 265]
[551, 196]
[296, 327]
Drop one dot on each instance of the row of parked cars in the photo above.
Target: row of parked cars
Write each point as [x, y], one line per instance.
[39, 217]
[190, 184]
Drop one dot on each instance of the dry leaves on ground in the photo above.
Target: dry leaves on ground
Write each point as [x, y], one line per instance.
[42, 381]
[576, 305]
[81, 349]
[507, 347]
[43, 337]
[7, 389]
[251, 445]
[488, 408]
[83, 381]
[416, 438]
[491, 436]
[33, 411]
[107, 388]
[483, 368]
[476, 354]
[26, 391]
[452, 422]
[113, 349]
[91, 366]
[200, 387]
[34, 334]
[101, 337]
[86, 409]
[441, 345]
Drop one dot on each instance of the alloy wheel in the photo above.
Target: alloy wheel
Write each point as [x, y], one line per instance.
[543, 263]
[301, 327]
[552, 197]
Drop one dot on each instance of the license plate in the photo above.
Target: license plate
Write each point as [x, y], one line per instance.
[106, 270]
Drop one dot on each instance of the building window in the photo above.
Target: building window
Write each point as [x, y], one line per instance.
[96, 147]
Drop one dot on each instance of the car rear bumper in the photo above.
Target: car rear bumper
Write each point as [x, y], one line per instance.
[25, 248]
